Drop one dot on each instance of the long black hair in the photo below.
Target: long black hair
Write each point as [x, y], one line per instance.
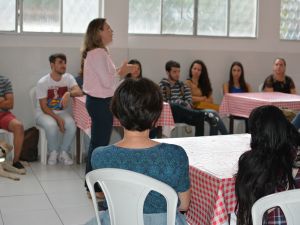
[242, 81]
[267, 167]
[204, 83]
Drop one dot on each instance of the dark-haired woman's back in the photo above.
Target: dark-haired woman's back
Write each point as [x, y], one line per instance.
[269, 166]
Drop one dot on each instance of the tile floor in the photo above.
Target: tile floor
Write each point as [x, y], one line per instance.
[48, 195]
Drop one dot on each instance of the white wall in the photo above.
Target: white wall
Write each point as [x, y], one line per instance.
[24, 58]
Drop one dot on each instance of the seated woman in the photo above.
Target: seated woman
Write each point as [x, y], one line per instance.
[138, 105]
[236, 83]
[279, 81]
[270, 165]
[137, 72]
[201, 90]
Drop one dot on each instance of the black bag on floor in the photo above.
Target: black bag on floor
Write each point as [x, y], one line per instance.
[30, 145]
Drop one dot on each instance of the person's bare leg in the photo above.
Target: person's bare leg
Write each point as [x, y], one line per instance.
[16, 127]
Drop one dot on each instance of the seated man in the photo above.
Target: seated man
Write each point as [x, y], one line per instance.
[8, 121]
[279, 81]
[53, 92]
[179, 96]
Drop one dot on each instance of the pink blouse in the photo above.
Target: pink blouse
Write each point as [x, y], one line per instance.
[99, 74]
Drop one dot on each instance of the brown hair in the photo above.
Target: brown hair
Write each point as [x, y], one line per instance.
[91, 38]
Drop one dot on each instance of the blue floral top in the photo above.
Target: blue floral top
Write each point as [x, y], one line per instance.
[165, 162]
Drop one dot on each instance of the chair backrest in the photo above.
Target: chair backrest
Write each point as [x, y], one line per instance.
[125, 192]
[32, 94]
[288, 201]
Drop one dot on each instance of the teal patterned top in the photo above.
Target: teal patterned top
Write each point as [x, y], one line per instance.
[165, 162]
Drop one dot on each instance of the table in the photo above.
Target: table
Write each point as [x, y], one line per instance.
[241, 104]
[213, 163]
[83, 120]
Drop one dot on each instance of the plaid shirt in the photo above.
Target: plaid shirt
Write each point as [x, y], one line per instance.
[276, 216]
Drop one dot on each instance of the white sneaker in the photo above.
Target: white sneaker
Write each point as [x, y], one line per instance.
[65, 158]
[52, 159]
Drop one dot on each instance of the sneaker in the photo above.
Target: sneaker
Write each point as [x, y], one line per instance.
[211, 119]
[18, 165]
[65, 158]
[52, 160]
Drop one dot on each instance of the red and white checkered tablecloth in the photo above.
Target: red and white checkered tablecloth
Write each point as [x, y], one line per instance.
[83, 120]
[213, 163]
[241, 104]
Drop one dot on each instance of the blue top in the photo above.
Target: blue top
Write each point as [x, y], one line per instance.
[236, 90]
[165, 162]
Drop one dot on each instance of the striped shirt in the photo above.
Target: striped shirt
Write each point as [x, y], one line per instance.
[177, 93]
[5, 88]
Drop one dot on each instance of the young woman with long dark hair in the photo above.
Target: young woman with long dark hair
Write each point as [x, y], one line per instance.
[269, 166]
[202, 99]
[236, 83]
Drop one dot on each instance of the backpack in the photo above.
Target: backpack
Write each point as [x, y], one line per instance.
[29, 151]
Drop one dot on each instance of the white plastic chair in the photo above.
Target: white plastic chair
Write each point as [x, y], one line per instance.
[43, 149]
[179, 128]
[288, 201]
[125, 192]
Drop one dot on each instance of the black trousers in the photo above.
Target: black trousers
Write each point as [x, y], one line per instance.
[101, 128]
[192, 117]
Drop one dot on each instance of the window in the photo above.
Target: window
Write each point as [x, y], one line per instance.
[233, 18]
[290, 20]
[8, 15]
[54, 16]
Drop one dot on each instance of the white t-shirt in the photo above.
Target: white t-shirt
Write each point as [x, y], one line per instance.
[53, 90]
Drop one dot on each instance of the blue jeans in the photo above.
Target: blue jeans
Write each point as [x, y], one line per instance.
[56, 140]
[101, 128]
[296, 121]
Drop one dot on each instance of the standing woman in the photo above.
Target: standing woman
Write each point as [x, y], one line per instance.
[100, 80]
[236, 83]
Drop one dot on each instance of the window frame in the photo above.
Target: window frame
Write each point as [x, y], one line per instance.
[19, 22]
[195, 25]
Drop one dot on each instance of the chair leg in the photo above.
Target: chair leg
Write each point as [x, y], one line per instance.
[246, 125]
[231, 124]
[43, 146]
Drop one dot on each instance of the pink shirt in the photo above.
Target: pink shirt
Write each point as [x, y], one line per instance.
[100, 77]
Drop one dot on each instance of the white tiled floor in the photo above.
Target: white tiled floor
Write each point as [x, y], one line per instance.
[48, 195]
